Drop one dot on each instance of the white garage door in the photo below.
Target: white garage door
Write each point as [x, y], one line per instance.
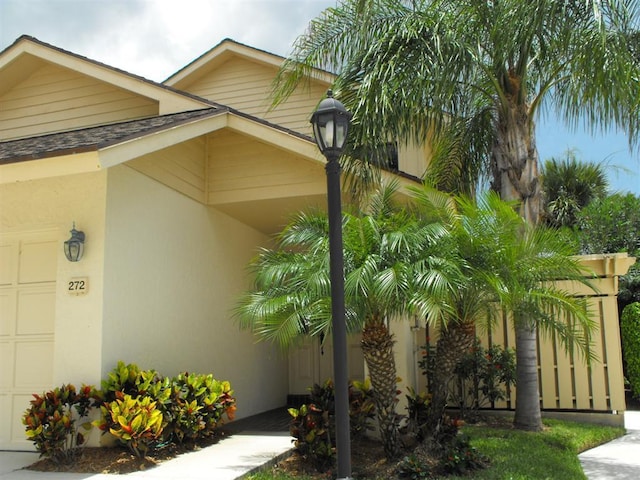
[27, 314]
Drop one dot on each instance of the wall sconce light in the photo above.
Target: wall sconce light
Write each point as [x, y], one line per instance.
[74, 247]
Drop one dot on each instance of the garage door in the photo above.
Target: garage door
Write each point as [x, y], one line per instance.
[27, 314]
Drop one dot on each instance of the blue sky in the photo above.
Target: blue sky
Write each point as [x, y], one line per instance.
[154, 38]
[611, 149]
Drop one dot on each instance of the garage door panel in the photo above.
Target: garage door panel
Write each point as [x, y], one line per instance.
[28, 271]
[8, 263]
[34, 368]
[6, 366]
[7, 312]
[38, 261]
[20, 405]
[5, 420]
[36, 311]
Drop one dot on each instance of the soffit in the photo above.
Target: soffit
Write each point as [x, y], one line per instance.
[265, 208]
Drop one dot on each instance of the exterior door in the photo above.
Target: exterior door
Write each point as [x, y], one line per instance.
[28, 264]
[312, 362]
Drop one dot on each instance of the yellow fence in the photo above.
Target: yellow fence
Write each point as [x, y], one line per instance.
[565, 380]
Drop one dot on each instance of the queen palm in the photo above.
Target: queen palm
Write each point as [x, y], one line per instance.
[475, 75]
[394, 265]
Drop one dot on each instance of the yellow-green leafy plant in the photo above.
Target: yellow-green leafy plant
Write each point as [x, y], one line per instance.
[135, 422]
[53, 421]
[197, 405]
[313, 425]
[129, 379]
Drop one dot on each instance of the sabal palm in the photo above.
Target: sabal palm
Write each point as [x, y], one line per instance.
[394, 265]
[569, 185]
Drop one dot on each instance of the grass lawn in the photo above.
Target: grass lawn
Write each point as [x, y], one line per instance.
[517, 455]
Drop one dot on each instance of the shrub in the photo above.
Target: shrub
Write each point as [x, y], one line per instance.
[630, 332]
[313, 425]
[460, 457]
[197, 404]
[413, 468]
[361, 407]
[52, 421]
[131, 380]
[142, 409]
[418, 417]
[136, 422]
[191, 405]
[483, 375]
[311, 430]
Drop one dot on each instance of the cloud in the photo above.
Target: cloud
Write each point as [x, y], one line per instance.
[154, 38]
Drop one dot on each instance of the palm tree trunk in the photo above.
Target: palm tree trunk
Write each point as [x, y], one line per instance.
[454, 341]
[377, 347]
[515, 176]
[515, 160]
[528, 415]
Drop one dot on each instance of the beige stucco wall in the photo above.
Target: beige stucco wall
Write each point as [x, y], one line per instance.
[55, 203]
[185, 264]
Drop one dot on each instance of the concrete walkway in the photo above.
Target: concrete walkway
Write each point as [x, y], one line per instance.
[252, 446]
[253, 443]
[616, 460]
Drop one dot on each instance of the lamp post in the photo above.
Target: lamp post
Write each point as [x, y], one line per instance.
[330, 127]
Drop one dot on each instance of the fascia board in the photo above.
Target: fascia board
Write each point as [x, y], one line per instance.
[137, 147]
[276, 138]
[304, 148]
[49, 167]
[116, 78]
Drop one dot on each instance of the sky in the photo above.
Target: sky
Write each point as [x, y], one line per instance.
[155, 38]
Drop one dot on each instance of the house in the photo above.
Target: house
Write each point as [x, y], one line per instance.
[174, 185]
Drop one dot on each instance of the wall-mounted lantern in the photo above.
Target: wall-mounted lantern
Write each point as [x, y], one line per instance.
[74, 247]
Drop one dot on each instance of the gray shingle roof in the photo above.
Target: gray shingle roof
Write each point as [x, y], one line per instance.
[94, 138]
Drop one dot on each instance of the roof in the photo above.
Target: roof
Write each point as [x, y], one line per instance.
[94, 138]
[18, 59]
[229, 48]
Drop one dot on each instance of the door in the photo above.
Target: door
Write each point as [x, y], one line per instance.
[312, 362]
[28, 264]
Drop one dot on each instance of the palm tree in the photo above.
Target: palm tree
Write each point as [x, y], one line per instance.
[509, 265]
[393, 266]
[471, 303]
[475, 75]
[568, 186]
[529, 264]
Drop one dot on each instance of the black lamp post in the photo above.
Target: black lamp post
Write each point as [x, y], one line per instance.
[330, 127]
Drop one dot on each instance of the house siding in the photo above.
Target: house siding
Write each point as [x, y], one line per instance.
[186, 265]
[181, 167]
[55, 99]
[251, 171]
[246, 86]
[54, 204]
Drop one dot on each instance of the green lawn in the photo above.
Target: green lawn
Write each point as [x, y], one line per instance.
[516, 455]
